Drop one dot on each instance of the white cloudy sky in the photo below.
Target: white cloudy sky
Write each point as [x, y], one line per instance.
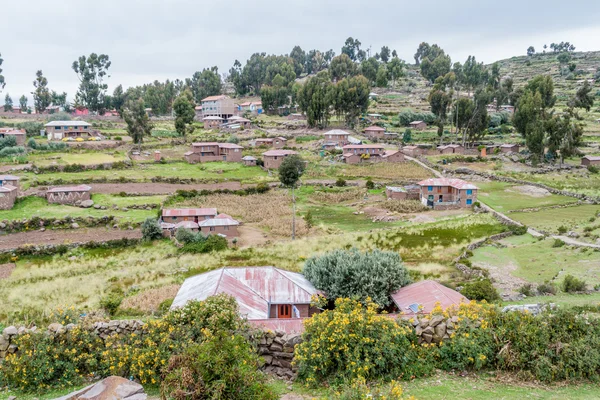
[151, 39]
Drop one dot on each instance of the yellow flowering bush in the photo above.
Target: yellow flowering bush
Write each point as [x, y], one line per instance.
[359, 390]
[353, 341]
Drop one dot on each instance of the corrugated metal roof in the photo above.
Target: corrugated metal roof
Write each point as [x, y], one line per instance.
[363, 146]
[337, 132]
[287, 325]
[374, 128]
[186, 225]
[67, 123]
[9, 178]
[218, 222]
[272, 153]
[80, 188]
[395, 189]
[13, 132]
[212, 118]
[426, 293]
[416, 122]
[189, 212]
[455, 183]
[253, 287]
[248, 158]
[214, 98]
[592, 158]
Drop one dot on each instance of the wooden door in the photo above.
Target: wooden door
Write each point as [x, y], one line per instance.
[284, 311]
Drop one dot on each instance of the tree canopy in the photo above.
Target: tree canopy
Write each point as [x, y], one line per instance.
[91, 72]
[2, 81]
[137, 120]
[291, 170]
[41, 95]
[184, 113]
[204, 84]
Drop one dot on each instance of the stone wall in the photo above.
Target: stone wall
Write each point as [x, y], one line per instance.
[277, 351]
[435, 329]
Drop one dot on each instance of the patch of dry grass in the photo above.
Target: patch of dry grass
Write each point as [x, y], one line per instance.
[404, 206]
[403, 171]
[149, 300]
[353, 194]
[271, 211]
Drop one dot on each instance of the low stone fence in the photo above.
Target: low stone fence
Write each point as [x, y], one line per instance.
[277, 350]
[36, 223]
[436, 328]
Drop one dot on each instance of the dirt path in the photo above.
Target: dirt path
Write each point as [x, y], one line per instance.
[19, 167]
[152, 188]
[49, 237]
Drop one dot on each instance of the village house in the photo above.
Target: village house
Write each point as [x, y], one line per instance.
[421, 298]
[507, 108]
[418, 125]
[222, 224]
[446, 194]
[252, 107]
[272, 159]
[58, 130]
[51, 110]
[375, 131]
[19, 135]
[68, 194]
[198, 112]
[213, 151]
[10, 180]
[296, 117]
[205, 220]
[236, 122]
[218, 106]
[354, 154]
[276, 143]
[408, 192]
[451, 149]
[509, 148]
[590, 160]
[212, 122]
[262, 293]
[249, 161]
[8, 195]
[15, 110]
[336, 137]
[176, 215]
[413, 151]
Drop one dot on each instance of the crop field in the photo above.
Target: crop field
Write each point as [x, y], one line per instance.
[406, 171]
[505, 197]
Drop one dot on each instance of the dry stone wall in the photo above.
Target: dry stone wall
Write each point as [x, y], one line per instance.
[277, 350]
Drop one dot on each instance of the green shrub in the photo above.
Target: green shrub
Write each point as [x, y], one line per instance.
[118, 138]
[370, 184]
[481, 290]
[353, 274]
[341, 182]
[546, 288]
[558, 243]
[206, 245]
[572, 284]
[592, 169]
[219, 367]
[308, 218]
[111, 302]
[185, 236]
[527, 290]
[518, 229]
[151, 229]
[165, 306]
[562, 229]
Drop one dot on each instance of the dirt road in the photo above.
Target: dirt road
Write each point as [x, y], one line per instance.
[50, 237]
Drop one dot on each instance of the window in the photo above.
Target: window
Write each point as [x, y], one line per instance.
[173, 218]
[58, 128]
[226, 228]
[430, 188]
[469, 202]
[469, 192]
[212, 228]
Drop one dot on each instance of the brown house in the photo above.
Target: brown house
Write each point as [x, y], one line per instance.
[418, 125]
[413, 151]
[249, 161]
[212, 122]
[590, 160]
[408, 192]
[19, 135]
[262, 293]
[205, 220]
[451, 149]
[357, 153]
[10, 180]
[68, 194]
[176, 215]
[222, 224]
[273, 158]
[509, 148]
[58, 130]
[8, 195]
[336, 137]
[213, 151]
[219, 106]
[445, 194]
[276, 143]
[375, 132]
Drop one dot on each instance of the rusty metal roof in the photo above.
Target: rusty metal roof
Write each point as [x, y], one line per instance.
[189, 212]
[273, 153]
[455, 183]
[254, 288]
[363, 146]
[426, 294]
[7, 188]
[218, 222]
[374, 128]
[287, 325]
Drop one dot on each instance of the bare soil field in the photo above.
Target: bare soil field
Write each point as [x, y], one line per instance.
[6, 270]
[16, 240]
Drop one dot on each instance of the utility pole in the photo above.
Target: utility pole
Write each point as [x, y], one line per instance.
[293, 214]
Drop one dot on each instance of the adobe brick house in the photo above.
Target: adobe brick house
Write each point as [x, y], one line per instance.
[408, 192]
[177, 215]
[451, 149]
[509, 148]
[357, 153]
[213, 151]
[68, 194]
[375, 132]
[252, 107]
[276, 143]
[418, 125]
[8, 195]
[212, 122]
[413, 151]
[219, 106]
[222, 224]
[249, 161]
[10, 180]
[262, 293]
[447, 194]
[336, 137]
[590, 160]
[57, 130]
[421, 298]
[19, 135]
[272, 159]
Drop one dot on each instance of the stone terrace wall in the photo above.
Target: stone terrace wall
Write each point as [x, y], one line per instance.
[277, 350]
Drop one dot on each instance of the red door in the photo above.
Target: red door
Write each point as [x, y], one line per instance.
[285, 311]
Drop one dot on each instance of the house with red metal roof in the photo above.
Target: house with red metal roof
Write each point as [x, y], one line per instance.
[213, 151]
[276, 143]
[590, 160]
[421, 298]
[71, 195]
[262, 293]
[176, 215]
[272, 159]
[446, 194]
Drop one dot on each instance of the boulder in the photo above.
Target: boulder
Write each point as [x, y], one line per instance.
[436, 320]
[75, 225]
[87, 203]
[9, 331]
[440, 330]
[111, 388]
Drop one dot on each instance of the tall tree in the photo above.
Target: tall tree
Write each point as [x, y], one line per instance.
[583, 98]
[290, 172]
[473, 74]
[342, 67]
[137, 120]
[395, 69]
[2, 82]
[382, 76]
[369, 68]
[91, 72]
[385, 54]
[433, 61]
[60, 100]
[299, 57]
[440, 99]
[118, 98]
[350, 98]
[205, 83]
[315, 98]
[530, 51]
[184, 113]
[8, 103]
[23, 103]
[41, 95]
[352, 49]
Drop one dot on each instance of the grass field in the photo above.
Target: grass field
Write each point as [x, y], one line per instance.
[89, 158]
[579, 181]
[537, 261]
[209, 172]
[406, 171]
[573, 218]
[505, 197]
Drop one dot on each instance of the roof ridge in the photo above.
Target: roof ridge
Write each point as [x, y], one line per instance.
[291, 280]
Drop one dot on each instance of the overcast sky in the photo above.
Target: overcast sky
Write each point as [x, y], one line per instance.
[150, 39]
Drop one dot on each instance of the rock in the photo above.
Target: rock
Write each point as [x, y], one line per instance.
[424, 323]
[573, 234]
[268, 359]
[75, 225]
[428, 331]
[12, 398]
[124, 209]
[97, 206]
[111, 388]
[2, 225]
[3, 343]
[9, 331]
[440, 330]
[87, 203]
[436, 320]
[276, 347]
[427, 337]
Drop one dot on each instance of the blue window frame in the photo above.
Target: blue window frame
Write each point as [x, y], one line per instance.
[469, 192]
[58, 128]
[469, 202]
[430, 188]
